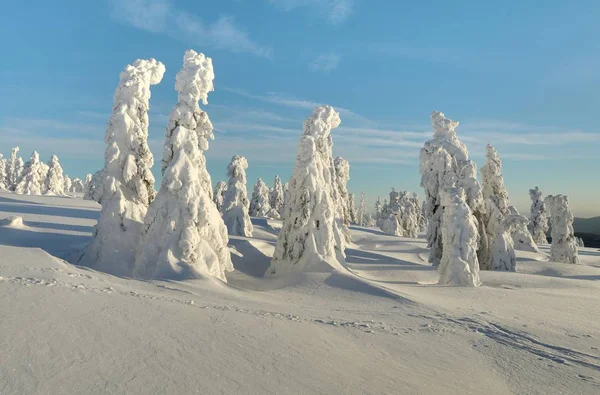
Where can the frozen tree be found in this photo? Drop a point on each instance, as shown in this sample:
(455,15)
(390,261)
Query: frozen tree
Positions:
(580,242)
(277,197)
(259,203)
(520,234)
(193,83)
(126,185)
(564,245)
(377,208)
(494,193)
(219,193)
(390,221)
(502,250)
(13,169)
(418,213)
(95,188)
(20,168)
(409,215)
(538,221)
(445,163)
(352,209)
(459,264)
(361,212)
(86,182)
(77,185)
(286,196)
(33,178)
(3,174)
(235,201)
(55,180)
(67,183)
(342,175)
(311,237)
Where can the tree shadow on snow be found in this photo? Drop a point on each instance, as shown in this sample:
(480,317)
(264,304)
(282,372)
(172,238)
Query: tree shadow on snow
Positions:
(52,225)
(361,257)
(41,209)
(263,224)
(56,244)
(253,262)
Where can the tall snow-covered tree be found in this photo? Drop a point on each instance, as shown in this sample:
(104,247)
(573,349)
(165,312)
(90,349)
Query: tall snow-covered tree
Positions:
(260,205)
(538,221)
(409,215)
(310,238)
(503,252)
(460,233)
(3,175)
(564,245)
(361,212)
(495,194)
(235,201)
(219,193)
(13,169)
(33,177)
(277,197)
(67,183)
(184,235)
(127,185)
(188,113)
(286,198)
(55,180)
(342,175)
(445,163)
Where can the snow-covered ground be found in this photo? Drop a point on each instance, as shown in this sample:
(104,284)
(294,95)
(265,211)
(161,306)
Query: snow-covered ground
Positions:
(382,327)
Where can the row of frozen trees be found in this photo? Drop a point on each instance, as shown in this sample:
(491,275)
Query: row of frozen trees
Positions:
(35,177)
(472,226)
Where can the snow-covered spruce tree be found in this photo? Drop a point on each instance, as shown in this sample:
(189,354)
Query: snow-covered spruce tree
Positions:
(409,215)
(311,238)
(418,213)
(494,193)
(444,163)
(502,247)
(235,201)
(86,182)
(361,212)
(352,209)
(342,175)
(260,205)
(580,242)
(3,175)
(55,180)
(520,234)
(187,112)
(564,245)
(77,185)
(67,183)
(95,189)
(184,235)
(459,264)
(219,193)
(127,185)
(13,169)
(390,221)
(33,178)
(277,197)
(538,221)
(377,209)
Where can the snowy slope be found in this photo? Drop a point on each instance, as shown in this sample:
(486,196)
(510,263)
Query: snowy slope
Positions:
(382,327)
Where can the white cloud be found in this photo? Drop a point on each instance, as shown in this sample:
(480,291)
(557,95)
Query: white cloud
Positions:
(335,11)
(161,16)
(326,62)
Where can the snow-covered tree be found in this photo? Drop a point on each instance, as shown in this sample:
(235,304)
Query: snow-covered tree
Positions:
(342,175)
(538,221)
(361,212)
(3,175)
(67,183)
(459,264)
(564,245)
(127,184)
(235,201)
(260,205)
(390,221)
(352,209)
(494,192)
(55,180)
(33,178)
(77,185)
(520,234)
(86,182)
(445,163)
(95,189)
(311,237)
(219,193)
(409,215)
(580,242)
(502,247)
(184,235)
(13,169)
(277,197)
(378,208)
(20,168)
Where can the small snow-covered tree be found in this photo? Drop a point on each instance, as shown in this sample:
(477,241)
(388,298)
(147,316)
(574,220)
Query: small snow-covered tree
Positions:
(311,237)
(86,182)
(418,213)
(520,234)
(503,252)
(342,175)
(33,177)
(564,245)
(77,185)
(13,169)
(260,205)
(494,193)
(277,197)
(219,193)
(580,242)
(3,175)
(55,180)
(95,189)
(361,212)
(352,209)
(538,221)
(390,221)
(445,163)
(377,209)
(459,264)
(235,201)
(127,182)
(67,183)
(409,215)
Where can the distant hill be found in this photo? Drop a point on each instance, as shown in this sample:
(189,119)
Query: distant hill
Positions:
(587,225)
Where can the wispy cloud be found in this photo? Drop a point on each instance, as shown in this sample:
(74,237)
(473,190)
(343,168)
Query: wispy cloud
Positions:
(162,16)
(326,62)
(335,11)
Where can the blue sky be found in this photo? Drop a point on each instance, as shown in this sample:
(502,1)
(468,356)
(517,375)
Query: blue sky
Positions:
(518,75)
